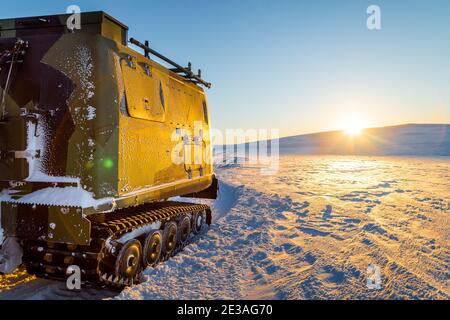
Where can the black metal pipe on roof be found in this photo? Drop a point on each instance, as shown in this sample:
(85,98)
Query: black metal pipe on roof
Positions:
(189,74)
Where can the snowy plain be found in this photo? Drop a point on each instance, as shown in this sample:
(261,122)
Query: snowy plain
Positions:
(312,230)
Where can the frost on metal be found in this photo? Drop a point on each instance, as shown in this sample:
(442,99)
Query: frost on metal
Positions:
(91,113)
(83,67)
(80,66)
(68,196)
(36,142)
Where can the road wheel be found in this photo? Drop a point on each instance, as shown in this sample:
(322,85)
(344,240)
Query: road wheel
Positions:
(184,227)
(170,238)
(198,222)
(128,262)
(152,248)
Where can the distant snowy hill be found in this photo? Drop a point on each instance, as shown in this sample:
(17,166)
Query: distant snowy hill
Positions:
(410,139)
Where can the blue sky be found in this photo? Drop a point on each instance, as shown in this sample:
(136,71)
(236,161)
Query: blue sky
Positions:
(299,66)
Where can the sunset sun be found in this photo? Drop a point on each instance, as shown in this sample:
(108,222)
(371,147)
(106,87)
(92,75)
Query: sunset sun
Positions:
(353,126)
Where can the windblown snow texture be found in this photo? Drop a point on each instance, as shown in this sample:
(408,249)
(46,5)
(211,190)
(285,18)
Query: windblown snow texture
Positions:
(313,230)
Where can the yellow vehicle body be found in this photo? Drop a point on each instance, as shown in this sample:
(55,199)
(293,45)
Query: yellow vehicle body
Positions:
(85,111)
(164,140)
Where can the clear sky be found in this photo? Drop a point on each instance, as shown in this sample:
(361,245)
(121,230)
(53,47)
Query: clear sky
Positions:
(297,65)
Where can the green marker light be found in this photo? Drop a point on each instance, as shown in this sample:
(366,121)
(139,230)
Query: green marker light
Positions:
(108,163)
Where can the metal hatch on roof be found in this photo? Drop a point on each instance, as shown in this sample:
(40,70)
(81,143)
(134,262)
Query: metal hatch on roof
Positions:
(93,22)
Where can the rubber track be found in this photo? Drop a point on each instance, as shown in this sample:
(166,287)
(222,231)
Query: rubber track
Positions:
(50,260)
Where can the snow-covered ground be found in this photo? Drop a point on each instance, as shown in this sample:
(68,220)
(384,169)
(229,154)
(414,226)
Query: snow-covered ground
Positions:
(311,231)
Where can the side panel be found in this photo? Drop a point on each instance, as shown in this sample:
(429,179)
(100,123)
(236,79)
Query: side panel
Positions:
(48,223)
(164,138)
(88,60)
(62,106)
(144,90)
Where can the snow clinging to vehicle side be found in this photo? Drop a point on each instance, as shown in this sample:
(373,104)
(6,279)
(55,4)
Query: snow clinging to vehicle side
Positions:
(91,113)
(68,196)
(84,67)
(36,148)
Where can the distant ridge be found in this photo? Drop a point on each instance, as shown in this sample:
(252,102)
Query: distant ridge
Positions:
(408,139)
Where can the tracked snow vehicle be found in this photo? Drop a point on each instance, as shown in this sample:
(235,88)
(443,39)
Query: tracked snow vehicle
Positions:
(95,137)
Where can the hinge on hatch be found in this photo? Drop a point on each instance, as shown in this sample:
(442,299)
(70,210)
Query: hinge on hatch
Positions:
(147,69)
(131,61)
(34,154)
(31,116)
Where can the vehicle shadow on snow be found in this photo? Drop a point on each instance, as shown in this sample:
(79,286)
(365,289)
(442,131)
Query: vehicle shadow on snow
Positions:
(226,200)
(43,289)
(22,286)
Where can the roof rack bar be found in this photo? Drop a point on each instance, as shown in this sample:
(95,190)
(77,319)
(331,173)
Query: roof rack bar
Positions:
(146,52)
(188,73)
